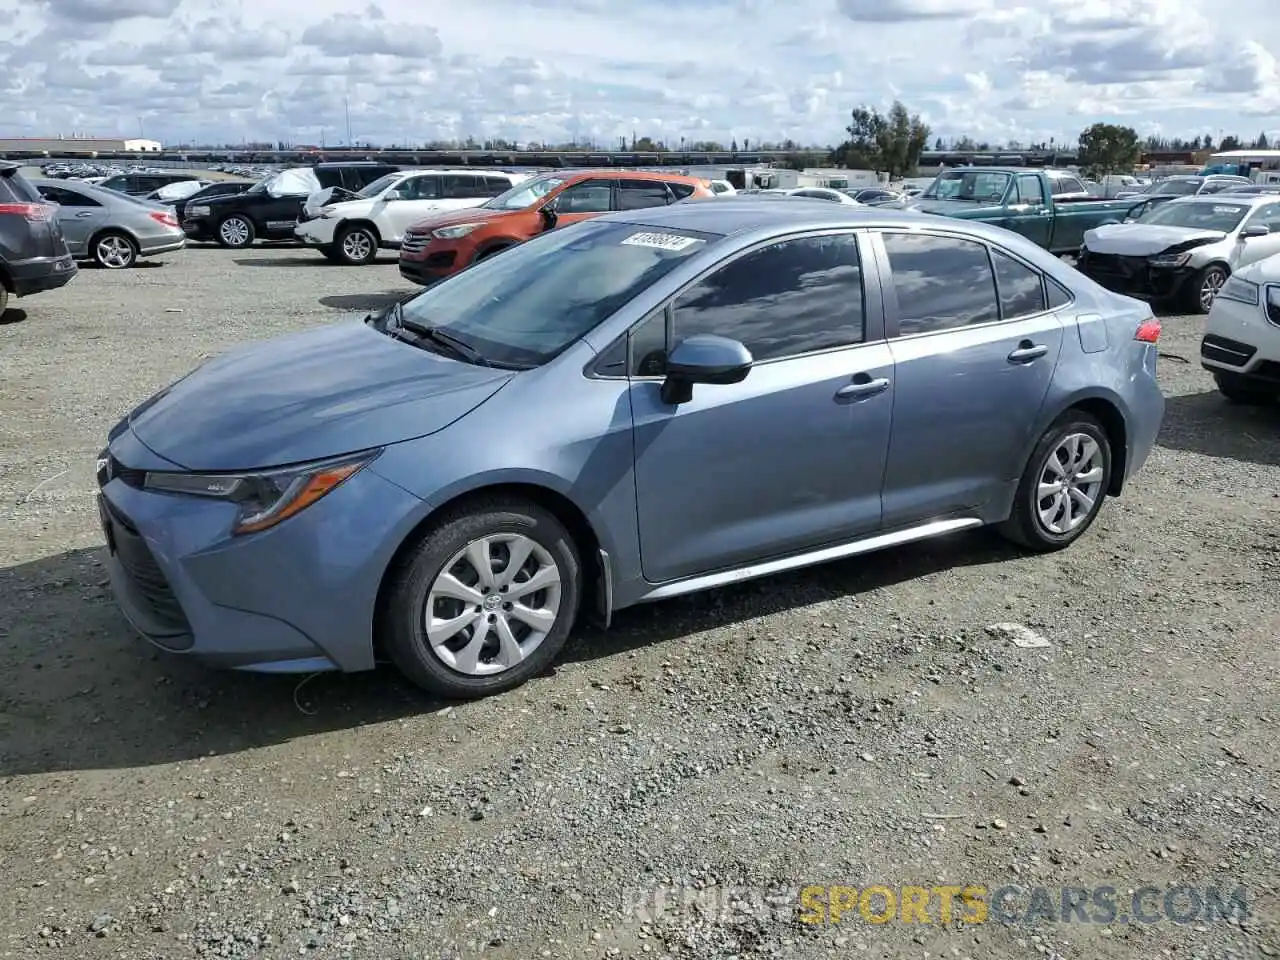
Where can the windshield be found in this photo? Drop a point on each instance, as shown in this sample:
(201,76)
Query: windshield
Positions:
(1177,188)
(523,308)
(524,194)
(1223,217)
(375,188)
(969,185)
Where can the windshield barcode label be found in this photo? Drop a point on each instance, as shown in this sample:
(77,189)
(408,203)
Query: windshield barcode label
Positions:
(660,241)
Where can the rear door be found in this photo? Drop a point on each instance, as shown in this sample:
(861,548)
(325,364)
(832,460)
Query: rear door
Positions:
(974,346)
(639,194)
(463,190)
(79,216)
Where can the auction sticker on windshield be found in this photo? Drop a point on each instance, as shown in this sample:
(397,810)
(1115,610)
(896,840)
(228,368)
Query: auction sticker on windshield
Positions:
(661,241)
(1227,211)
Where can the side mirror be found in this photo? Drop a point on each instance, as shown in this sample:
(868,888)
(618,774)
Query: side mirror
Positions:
(703,358)
(548,213)
(1127,220)
(1258,230)
(393,195)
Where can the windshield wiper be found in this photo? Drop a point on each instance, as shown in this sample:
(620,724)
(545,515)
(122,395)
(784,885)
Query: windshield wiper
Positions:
(454,344)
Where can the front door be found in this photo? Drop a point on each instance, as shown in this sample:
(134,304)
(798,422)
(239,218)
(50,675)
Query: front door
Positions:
(792,457)
(1252,249)
(582,200)
(974,352)
(1028,211)
(419,198)
(79,216)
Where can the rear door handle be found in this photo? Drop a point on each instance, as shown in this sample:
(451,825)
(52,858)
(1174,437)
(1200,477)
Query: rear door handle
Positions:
(83,214)
(860,389)
(1028,351)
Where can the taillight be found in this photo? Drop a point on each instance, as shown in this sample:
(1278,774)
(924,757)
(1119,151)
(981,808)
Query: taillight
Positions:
(168,219)
(1148,331)
(34,212)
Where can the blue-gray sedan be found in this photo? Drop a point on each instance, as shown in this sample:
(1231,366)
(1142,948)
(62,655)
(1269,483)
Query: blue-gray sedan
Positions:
(635,407)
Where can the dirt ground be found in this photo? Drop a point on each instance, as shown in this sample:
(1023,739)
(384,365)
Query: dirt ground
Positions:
(852,725)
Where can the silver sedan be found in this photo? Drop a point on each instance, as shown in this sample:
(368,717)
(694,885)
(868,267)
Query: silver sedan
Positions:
(110,228)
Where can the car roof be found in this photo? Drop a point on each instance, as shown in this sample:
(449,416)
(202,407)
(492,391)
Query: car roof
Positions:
(570,176)
(1244,200)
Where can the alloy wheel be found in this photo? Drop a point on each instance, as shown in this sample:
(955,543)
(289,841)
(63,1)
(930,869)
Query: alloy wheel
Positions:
(493,604)
(1209,288)
(1070,484)
(114,252)
(234,232)
(357,246)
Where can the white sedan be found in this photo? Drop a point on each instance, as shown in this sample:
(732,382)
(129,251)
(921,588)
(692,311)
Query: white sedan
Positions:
(824,193)
(1241,344)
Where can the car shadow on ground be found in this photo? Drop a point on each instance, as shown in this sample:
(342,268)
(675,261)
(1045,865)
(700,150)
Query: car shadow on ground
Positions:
(308,259)
(12,315)
(366,301)
(79,690)
(1206,423)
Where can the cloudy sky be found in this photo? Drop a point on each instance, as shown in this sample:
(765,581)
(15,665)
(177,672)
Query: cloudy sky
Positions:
(555,70)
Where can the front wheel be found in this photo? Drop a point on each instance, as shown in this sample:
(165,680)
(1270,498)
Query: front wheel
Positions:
(1205,287)
(236,232)
(484,601)
(356,246)
(1063,485)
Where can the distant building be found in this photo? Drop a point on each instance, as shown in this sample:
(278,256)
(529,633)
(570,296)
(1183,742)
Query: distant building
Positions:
(76,146)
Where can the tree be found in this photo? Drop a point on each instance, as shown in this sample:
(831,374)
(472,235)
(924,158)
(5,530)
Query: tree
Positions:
(1229,143)
(889,143)
(1262,143)
(937,145)
(1106,148)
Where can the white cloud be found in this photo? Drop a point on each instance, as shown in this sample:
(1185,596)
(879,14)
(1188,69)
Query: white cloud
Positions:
(1021,70)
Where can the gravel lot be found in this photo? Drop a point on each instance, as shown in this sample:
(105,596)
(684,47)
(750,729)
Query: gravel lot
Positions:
(854,724)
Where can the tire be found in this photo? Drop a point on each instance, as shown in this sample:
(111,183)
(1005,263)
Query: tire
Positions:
(4,299)
(356,246)
(493,250)
(114,250)
(443,665)
(235,232)
(1027,524)
(1205,287)
(1235,390)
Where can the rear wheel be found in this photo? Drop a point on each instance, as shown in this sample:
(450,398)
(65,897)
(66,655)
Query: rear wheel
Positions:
(356,246)
(235,232)
(1063,485)
(484,601)
(114,251)
(1205,286)
(4,299)
(1236,390)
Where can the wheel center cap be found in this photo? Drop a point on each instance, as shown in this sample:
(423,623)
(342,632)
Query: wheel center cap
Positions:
(492,602)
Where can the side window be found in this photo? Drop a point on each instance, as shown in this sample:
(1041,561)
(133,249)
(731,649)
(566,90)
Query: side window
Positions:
(638,194)
(790,298)
(463,186)
(1059,296)
(496,185)
(1072,185)
(1021,289)
(421,188)
(589,196)
(67,198)
(942,283)
(1268,216)
(648,347)
(1030,190)
(681,190)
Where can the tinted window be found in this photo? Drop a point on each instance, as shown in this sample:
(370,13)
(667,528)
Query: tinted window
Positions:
(119,182)
(682,190)
(67,198)
(1059,296)
(495,186)
(638,194)
(589,196)
(793,297)
(942,282)
(464,187)
(526,306)
(421,188)
(1021,290)
(1030,190)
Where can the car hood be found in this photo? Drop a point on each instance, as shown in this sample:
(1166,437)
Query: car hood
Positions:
(327,196)
(1145,239)
(961,209)
(454,217)
(307,396)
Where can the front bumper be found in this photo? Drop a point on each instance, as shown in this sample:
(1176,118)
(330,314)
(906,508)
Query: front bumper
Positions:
(316,233)
(1240,341)
(1134,276)
(41,274)
(299,597)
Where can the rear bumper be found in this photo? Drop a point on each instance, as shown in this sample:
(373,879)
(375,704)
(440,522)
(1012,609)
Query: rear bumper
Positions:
(41,273)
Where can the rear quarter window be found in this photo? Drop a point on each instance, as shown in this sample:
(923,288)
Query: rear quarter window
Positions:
(16,188)
(681,190)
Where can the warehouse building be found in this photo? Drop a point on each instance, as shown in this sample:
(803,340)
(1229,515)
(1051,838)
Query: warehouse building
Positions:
(76,146)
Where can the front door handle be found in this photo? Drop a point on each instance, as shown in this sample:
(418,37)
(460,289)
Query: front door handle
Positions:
(83,214)
(1028,351)
(861,389)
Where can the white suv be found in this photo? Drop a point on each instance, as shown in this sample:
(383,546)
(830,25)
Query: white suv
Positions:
(1241,345)
(349,228)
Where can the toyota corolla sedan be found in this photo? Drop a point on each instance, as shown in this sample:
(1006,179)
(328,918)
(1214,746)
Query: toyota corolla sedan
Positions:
(635,407)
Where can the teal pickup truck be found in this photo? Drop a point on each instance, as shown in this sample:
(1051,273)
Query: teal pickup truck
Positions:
(1052,208)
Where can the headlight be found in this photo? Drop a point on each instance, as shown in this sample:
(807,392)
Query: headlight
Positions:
(1170,259)
(268,497)
(1239,290)
(199,210)
(453,233)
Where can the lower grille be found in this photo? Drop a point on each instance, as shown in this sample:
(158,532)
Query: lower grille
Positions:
(1225,350)
(139,565)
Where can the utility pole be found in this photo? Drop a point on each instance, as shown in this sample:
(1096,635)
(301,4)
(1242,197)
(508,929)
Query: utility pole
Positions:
(346,105)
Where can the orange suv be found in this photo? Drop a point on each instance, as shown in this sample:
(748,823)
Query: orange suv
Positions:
(441,245)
